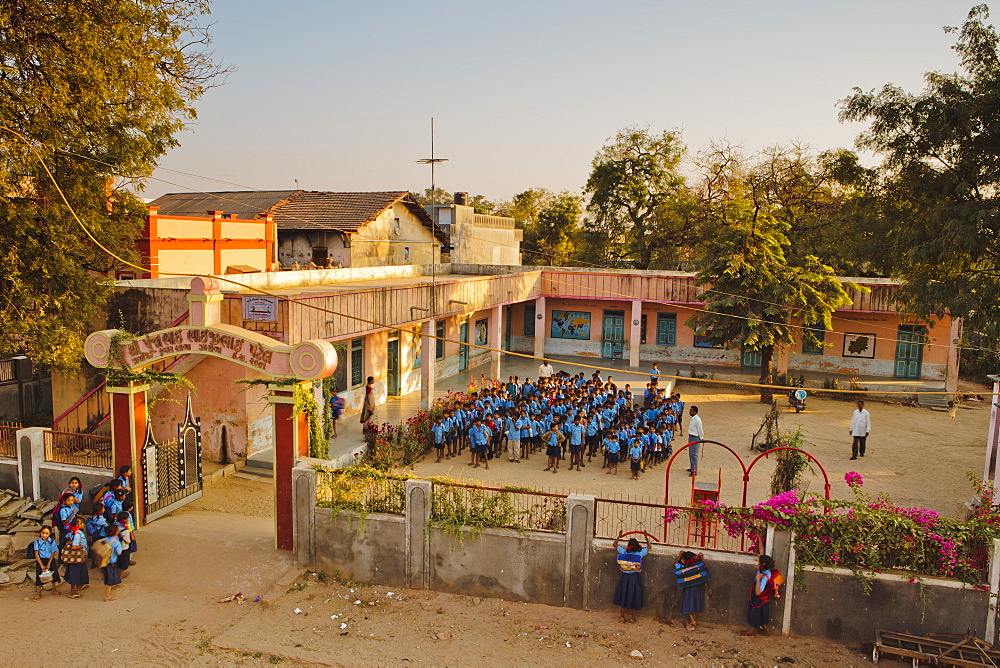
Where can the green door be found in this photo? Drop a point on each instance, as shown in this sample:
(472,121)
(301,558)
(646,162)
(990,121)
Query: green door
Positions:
(750,359)
(463,350)
(909,351)
(613,334)
(392,368)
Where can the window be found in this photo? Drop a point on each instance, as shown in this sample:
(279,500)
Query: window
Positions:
(666,329)
(813,349)
(417,342)
(529,320)
(642,328)
(357,362)
(439,342)
(320,255)
(395,226)
(406,254)
(703,342)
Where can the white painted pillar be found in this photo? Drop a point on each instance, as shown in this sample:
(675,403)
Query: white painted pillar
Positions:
(495,342)
(786,616)
(951,374)
(541,318)
(634,334)
(428,359)
(991,610)
(990,469)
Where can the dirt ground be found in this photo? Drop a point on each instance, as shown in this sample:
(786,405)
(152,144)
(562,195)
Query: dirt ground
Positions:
(919,457)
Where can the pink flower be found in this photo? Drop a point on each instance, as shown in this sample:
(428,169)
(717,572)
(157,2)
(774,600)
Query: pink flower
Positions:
(853,479)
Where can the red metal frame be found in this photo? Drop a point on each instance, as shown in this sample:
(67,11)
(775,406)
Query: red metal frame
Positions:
(826,478)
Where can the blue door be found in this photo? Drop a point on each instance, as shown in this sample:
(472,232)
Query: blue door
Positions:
(666,329)
(463,350)
(613,334)
(909,351)
(392,368)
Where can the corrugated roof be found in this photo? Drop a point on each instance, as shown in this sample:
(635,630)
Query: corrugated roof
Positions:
(241,203)
(298,209)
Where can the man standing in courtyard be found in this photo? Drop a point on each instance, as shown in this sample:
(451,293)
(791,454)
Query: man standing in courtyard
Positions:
(545,369)
(861,426)
(695,433)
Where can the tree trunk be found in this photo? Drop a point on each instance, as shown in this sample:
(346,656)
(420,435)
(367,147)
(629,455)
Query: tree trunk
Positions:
(766,373)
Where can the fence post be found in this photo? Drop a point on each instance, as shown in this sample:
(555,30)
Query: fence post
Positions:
(991,609)
(30,454)
(580,511)
(786,619)
(304,514)
(417,522)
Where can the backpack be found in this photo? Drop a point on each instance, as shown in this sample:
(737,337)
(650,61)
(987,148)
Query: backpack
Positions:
(29,552)
(98,491)
(691,576)
(102,549)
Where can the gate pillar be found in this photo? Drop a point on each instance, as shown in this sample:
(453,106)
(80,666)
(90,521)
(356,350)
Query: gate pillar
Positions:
(128,432)
(291,441)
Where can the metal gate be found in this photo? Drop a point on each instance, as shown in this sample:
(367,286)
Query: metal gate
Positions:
(171,471)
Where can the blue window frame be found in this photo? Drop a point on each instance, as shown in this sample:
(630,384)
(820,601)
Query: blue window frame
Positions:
(357,362)
(703,342)
(666,329)
(809,348)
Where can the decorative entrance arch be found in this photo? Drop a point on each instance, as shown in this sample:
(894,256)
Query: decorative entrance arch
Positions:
(289,366)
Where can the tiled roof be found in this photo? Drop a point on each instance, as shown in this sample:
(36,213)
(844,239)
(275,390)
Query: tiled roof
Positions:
(242,204)
(298,209)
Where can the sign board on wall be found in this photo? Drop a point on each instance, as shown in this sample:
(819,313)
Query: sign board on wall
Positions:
(260,309)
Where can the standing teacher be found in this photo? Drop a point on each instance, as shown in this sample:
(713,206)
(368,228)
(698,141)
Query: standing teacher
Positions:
(696,432)
(861,426)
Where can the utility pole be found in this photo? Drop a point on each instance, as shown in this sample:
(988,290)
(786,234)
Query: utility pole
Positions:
(432,161)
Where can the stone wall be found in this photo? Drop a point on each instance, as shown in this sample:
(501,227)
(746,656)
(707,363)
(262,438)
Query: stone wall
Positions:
(574,569)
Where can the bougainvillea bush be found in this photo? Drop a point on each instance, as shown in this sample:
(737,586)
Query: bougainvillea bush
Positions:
(873,535)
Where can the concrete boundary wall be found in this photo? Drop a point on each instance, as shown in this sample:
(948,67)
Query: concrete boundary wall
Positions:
(574,569)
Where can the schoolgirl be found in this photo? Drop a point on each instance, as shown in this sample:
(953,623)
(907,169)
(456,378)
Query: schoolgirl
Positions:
(74,488)
(46,553)
(764,588)
(97,524)
(635,459)
(67,513)
(611,449)
(124,522)
(112,576)
(77,575)
(628,593)
(552,450)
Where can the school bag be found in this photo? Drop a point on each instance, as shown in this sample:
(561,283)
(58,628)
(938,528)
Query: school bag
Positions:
(102,552)
(97,492)
(691,576)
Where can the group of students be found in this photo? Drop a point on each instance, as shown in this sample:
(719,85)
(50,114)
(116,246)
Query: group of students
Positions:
(104,539)
(692,577)
(563,415)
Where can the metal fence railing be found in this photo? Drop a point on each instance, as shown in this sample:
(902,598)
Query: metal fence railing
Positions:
(497,507)
(7,371)
(8,440)
(676,526)
(362,494)
(79,449)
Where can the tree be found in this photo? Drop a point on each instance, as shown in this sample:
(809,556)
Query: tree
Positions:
(549,239)
(96,92)
(641,209)
(435,196)
(938,215)
(754,297)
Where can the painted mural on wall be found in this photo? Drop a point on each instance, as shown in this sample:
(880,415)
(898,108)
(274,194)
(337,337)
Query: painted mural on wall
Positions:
(859,345)
(482,332)
(570,325)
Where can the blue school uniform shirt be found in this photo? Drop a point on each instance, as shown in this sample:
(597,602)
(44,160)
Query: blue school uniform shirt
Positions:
(439,430)
(512,429)
(79,540)
(479,435)
(116,547)
(612,446)
(66,514)
(112,506)
(45,548)
(592,427)
(575,433)
(97,526)
(635,452)
(524,428)
(77,496)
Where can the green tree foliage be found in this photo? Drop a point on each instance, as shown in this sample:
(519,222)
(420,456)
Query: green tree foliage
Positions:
(549,238)
(641,210)
(755,295)
(99,89)
(434,196)
(937,223)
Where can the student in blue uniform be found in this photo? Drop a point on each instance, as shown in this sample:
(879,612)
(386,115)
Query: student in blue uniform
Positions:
(438,430)
(635,459)
(46,553)
(77,575)
(67,513)
(97,524)
(112,576)
(124,523)
(611,449)
(550,440)
(576,431)
(628,593)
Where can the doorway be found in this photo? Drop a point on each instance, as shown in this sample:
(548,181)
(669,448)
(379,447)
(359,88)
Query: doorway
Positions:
(392,368)
(463,350)
(909,351)
(613,334)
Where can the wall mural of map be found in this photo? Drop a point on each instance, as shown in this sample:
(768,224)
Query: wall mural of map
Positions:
(859,345)
(570,325)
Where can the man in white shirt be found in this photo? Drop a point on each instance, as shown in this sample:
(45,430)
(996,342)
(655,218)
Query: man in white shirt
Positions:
(695,433)
(861,426)
(545,369)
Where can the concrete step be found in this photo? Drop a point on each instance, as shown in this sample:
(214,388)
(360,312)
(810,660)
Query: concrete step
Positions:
(255,472)
(260,464)
(933,400)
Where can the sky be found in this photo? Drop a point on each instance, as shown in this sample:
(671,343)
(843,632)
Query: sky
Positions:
(339,95)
